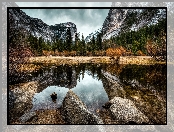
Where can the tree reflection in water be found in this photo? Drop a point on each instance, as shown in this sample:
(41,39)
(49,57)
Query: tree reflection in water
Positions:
(145,85)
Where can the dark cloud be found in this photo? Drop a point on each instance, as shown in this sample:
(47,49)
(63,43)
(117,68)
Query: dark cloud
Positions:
(86,20)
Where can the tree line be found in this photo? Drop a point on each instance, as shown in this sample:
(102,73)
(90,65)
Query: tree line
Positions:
(66,46)
(148,40)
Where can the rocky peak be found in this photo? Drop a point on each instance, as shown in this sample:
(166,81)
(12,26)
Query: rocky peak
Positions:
(60,30)
(38,28)
(123,20)
(113,22)
(111,25)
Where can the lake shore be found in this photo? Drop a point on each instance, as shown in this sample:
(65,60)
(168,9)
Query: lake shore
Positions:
(128,93)
(59,60)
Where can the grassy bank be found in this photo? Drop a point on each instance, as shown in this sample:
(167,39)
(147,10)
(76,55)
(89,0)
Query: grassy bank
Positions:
(59,60)
(35,63)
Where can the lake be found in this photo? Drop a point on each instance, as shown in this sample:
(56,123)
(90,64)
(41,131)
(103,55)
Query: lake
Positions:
(96,84)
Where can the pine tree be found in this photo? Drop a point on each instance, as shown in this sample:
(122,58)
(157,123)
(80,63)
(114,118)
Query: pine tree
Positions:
(83,45)
(76,41)
(99,42)
(93,44)
(68,39)
(61,45)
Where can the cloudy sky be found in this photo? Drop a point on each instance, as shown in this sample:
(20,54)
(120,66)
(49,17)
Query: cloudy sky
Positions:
(86,20)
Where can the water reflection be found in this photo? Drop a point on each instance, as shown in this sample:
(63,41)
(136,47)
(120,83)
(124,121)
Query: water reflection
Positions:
(96,84)
(152,77)
(43,100)
(88,89)
(80,77)
(91,92)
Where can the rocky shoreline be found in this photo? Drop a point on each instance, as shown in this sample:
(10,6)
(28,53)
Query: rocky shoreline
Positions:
(74,111)
(118,110)
(121,109)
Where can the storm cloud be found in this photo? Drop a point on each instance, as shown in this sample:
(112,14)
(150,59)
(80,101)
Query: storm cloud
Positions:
(86,20)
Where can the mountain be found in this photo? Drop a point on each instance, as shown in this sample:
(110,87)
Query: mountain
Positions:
(113,22)
(124,20)
(89,37)
(118,21)
(59,30)
(111,25)
(18,19)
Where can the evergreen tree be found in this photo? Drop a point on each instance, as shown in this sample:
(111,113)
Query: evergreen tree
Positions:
(40,45)
(76,41)
(83,45)
(99,42)
(48,45)
(55,45)
(93,44)
(61,45)
(68,39)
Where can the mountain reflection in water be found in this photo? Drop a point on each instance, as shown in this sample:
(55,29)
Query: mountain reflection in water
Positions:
(88,89)
(96,84)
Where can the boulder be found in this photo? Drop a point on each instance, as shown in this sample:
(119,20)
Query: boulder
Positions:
(113,89)
(20,99)
(74,111)
(126,112)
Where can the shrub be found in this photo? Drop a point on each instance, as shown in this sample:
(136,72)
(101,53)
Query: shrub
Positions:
(140,53)
(89,53)
(119,51)
(46,53)
(57,53)
(73,53)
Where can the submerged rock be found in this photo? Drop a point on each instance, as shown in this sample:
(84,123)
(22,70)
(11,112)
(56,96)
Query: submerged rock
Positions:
(54,97)
(74,111)
(112,85)
(27,116)
(125,111)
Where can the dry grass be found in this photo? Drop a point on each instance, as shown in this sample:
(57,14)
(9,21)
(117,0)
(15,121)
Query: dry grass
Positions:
(59,60)
(27,67)
(139,60)
(69,60)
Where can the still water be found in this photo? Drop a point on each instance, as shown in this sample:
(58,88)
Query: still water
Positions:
(89,90)
(96,84)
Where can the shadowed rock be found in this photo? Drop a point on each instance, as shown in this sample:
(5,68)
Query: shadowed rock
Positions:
(22,100)
(107,105)
(74,111)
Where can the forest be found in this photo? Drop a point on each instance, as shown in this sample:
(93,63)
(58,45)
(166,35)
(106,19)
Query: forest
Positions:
(150,40)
